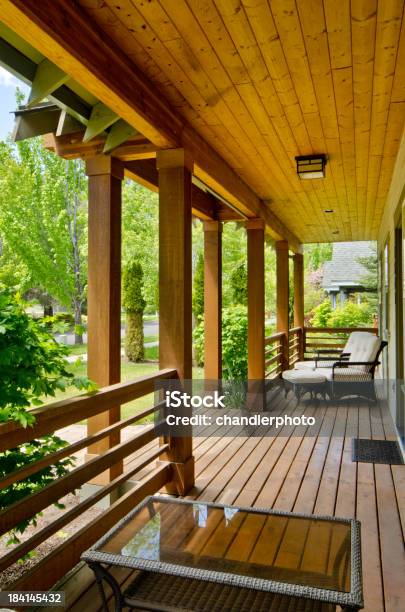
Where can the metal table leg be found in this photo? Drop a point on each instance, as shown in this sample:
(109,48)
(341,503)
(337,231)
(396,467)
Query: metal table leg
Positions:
(101,575)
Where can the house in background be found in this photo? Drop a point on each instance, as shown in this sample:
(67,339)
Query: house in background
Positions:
(344,275)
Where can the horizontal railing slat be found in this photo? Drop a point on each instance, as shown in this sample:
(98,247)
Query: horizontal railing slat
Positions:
(54,416)
(273,337)
(336,330)
(313,346)
(53,527)
(62,558)
(27,507)
(275,359)
(69,450)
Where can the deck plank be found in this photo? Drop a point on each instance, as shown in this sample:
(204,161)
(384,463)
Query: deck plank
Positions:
(303,472)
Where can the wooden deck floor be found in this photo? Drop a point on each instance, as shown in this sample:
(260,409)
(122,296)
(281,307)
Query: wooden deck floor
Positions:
(294,471)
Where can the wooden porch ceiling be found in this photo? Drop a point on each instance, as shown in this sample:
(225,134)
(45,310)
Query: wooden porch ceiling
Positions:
(255,82)
(266,81)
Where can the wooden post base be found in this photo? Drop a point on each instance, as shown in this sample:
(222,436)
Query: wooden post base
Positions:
(183,477)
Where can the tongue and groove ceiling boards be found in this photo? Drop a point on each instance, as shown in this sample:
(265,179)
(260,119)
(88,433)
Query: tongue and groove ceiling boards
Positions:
(264,81)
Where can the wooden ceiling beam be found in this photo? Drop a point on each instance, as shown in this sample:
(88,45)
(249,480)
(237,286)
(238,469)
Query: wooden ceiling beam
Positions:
(145,173)
(205,206)
(118,134)
(66,125)
(71,146)
(101,118)
(35,121)
(24,68)
(64,33)
(48,78)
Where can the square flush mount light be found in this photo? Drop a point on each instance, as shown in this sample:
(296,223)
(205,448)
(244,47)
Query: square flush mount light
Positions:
(311,166)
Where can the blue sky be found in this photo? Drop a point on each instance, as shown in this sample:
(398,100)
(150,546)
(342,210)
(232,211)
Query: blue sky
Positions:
(8,84)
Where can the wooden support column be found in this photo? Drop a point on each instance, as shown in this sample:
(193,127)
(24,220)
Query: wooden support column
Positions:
(104,291)
(213,299)
(255,286)
(299,299)
(283,296)
(175,324)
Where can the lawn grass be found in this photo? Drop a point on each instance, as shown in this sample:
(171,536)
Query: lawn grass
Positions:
(151,353)
(150,339)
(129,371)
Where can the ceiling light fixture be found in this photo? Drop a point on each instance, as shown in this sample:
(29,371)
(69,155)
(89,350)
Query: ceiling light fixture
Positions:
(328,210)
(311,166)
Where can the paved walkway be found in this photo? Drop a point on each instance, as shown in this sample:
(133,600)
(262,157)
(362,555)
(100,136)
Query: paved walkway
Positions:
(74,358)
(150,328)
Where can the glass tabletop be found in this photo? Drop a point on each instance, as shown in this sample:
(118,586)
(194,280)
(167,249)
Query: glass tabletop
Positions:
(284,548)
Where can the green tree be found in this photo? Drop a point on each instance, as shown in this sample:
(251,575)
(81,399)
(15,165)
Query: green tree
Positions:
(239,285)
(316,254)
(198,288)
(370,279)
(233,255)
(13,273)
(43,215)
(32,365)
(134,304)
(140,231)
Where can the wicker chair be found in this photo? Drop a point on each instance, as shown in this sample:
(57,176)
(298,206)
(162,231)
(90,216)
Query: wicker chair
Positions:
(353,371)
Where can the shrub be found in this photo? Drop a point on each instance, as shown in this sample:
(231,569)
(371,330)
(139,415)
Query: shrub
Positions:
(239,285)
(32,365)
(134,305)
(348,315)
(198,343)
(321,315)
(198,288)
(234,343)
(352,315)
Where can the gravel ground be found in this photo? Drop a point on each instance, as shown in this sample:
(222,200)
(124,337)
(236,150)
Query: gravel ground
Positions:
(71,434)
(16,570)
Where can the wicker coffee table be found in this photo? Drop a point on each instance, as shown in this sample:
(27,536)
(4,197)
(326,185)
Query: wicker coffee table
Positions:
(191,555)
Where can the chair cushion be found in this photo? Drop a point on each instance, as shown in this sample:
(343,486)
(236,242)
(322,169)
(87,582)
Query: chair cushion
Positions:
(303,377)
(310,365)
(364,346)
(304,365)
(346,374)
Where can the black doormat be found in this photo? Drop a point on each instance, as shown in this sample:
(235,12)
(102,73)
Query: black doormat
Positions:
(376,451)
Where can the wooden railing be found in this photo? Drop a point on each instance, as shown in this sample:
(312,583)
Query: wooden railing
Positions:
(275,355)
(53,417)
(303,343)
(325,338)
(295,345)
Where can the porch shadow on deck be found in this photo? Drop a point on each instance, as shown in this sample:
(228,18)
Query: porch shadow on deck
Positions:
(295,472)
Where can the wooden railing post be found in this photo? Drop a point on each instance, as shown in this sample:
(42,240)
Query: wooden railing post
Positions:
(175,325)
(213,300)
(104,293)
(299,298)
(255,287)
(282,265)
